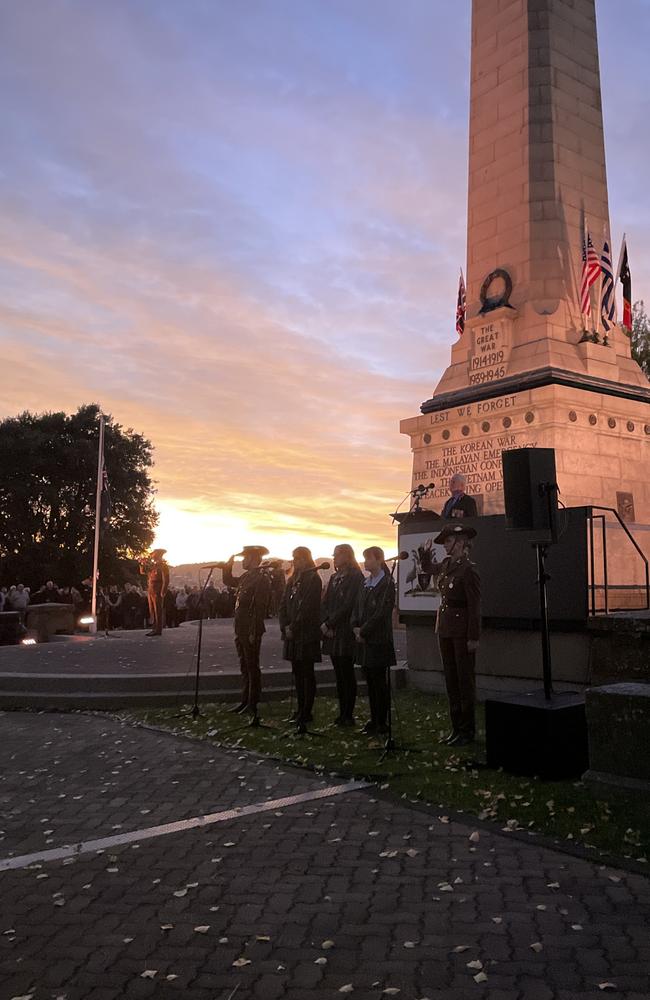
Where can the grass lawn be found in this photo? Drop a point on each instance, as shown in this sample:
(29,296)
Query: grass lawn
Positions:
(424,771)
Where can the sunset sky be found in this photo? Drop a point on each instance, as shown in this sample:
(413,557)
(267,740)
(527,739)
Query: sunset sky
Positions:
(238,226)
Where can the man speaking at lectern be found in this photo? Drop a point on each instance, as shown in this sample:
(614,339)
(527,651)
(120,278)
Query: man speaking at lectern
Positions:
(459,504)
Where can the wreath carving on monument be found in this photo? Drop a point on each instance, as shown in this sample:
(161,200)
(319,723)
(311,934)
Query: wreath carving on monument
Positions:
(491,302)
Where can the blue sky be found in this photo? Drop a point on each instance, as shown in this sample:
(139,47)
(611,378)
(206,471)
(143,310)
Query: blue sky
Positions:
(238,227)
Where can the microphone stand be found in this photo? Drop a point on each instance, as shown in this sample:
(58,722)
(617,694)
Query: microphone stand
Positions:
(195,706)
(390,746)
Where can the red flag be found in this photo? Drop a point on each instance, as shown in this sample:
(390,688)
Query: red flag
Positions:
(623,275)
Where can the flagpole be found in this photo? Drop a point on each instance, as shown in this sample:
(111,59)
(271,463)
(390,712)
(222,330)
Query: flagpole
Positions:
(98,503)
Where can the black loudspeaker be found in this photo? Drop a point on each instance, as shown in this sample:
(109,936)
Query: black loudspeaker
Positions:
(528,735)
(530,492)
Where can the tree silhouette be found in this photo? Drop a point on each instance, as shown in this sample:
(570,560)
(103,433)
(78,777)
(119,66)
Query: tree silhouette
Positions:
(640,337)
(48,472)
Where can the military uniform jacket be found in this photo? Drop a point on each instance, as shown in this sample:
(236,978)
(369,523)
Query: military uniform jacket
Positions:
(459,615)
(300,611)
(251,601)
(338,604)
(157,575)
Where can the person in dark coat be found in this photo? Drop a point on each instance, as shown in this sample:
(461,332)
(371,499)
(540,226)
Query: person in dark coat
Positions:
(372,624)
(49,594)
(460,503)
(459,628)
(338,638)
(169,609)
(253,590)
(299,618)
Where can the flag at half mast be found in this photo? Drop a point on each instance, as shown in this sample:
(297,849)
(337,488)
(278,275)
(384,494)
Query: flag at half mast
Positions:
(461,306)
(607,297)
(105,503)
(590,275)
(623,275)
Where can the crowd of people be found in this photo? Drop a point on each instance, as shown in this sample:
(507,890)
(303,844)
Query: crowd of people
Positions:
(351,621)
(124,607)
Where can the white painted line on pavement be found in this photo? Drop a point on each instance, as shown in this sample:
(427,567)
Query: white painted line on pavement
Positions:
(89,846)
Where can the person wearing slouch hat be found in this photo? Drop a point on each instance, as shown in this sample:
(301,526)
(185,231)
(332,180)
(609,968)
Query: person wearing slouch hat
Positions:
(156,571)
(253,595)
(459,627)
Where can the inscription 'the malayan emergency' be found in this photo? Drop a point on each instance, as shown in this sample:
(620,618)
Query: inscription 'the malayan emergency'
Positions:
(489,358)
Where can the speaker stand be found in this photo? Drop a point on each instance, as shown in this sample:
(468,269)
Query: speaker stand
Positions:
(542,579)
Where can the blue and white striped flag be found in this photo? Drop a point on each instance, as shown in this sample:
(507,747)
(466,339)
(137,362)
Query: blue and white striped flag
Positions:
(607,297)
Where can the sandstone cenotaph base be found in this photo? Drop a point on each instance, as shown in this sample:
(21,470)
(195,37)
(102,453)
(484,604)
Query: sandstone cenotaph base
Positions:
(524,374)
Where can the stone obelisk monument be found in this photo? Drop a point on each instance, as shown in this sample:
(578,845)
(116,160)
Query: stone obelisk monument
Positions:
(525,372)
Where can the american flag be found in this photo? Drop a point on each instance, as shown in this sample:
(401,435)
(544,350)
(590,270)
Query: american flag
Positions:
(460,307)
(590,275)
(607,297)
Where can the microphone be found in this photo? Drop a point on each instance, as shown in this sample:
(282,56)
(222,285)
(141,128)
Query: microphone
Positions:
(218,565)
(398,558)
(323,565)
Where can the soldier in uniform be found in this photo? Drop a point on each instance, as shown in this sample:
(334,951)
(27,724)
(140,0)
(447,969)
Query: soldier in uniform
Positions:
(458,628)
(156,571)
(253,595)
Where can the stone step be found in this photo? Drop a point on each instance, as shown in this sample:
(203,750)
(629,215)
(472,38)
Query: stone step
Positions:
(110,691)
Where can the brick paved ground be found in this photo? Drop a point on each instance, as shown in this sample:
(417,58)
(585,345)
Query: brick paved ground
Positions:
(407,900)
(133,652)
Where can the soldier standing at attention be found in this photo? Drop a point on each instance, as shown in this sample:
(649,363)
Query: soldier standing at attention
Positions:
(251,608)
(156,571)
(459,628)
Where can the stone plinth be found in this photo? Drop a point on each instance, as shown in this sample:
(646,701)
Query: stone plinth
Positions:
(601,443)
(618,721)
(45,620)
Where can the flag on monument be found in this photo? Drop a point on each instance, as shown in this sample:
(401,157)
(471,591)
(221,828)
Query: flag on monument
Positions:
(607,297)
(590,274)
(625,279)
(460,306)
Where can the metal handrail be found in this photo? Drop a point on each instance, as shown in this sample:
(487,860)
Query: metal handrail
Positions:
(631,537)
